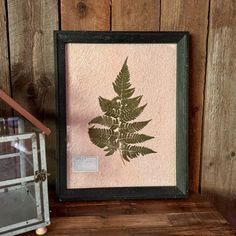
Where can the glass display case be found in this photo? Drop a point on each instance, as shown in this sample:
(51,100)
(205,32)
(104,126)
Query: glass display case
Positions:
(23,179)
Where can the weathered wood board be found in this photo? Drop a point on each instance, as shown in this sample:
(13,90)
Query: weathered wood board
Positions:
(31,25)
(192,16)
(193,216)
(218,179)
(85,15)
(135,15)
(4,59)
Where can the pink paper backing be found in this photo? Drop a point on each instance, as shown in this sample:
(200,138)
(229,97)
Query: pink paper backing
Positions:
(90,71)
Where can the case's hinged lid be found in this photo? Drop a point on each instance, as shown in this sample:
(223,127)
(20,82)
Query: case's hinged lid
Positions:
(41,176)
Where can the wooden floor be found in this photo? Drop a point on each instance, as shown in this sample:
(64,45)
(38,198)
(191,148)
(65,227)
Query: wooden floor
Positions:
(194,216)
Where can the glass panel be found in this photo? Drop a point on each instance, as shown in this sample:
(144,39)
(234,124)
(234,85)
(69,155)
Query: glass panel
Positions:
(16,159)
(19,204)
(11,125)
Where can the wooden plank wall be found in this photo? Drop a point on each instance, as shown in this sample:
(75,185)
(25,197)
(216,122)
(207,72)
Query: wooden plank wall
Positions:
(85,15)
(192,16)
(5,83)
(219,133)
(30,45)
(26,56)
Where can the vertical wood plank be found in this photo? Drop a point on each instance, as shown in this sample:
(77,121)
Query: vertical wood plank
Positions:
(135,15)
(4,59)
(219,143)
(192,16)
(31,25)
(85,15)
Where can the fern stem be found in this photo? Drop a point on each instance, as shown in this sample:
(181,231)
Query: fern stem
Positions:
(121,157)
(119,138)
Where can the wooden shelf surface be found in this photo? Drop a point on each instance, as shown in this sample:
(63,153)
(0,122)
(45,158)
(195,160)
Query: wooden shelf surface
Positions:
(192,216)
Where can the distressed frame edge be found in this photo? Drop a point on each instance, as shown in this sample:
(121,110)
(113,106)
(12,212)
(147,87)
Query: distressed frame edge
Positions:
(58,42)
(182,114)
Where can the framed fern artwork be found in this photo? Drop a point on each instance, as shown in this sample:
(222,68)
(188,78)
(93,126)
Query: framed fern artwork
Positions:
(122,106)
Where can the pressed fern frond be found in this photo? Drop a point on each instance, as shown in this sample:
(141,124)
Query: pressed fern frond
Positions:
(130,152)
(105,121)
(118,112)
(132,102)
(104,138)
(122,84)
(133,127)
(134,138)
(110,107)
(129,113)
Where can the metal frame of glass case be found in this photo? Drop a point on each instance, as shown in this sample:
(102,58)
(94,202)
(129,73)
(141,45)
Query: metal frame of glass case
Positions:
(23,189)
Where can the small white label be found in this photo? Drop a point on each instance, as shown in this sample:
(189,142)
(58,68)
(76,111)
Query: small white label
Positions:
(85,164)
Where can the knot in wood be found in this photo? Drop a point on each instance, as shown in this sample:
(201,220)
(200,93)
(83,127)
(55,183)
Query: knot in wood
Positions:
(82,8)
(32,90)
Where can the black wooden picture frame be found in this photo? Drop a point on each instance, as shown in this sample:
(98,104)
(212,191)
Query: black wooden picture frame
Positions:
(181,39)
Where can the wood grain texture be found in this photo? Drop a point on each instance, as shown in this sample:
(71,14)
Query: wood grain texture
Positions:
(193,216)
(4,59)
(192,16)
(85,15)
(219,140)
(31,25)
(126,207)
(135,15)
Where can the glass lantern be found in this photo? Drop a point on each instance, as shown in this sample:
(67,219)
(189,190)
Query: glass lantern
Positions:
(23,179)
